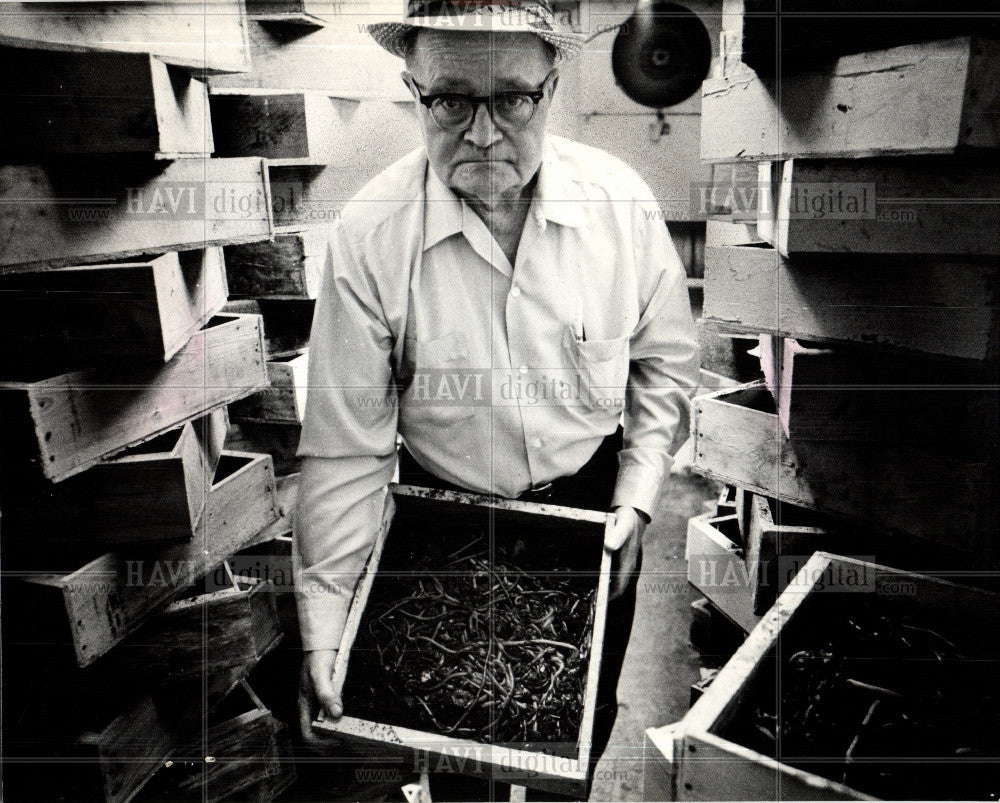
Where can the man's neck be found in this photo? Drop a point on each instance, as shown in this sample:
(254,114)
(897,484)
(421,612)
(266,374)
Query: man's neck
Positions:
(505,216)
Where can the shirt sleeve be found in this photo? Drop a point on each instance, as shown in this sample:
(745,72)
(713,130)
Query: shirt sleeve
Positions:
(348,444)
(663,369)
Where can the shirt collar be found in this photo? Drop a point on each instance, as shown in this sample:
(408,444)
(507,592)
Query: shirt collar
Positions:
(442,212)
(557,199)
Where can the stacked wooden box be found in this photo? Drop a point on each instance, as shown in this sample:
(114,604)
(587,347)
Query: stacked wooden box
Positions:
(126,617)
(309,112)
(869,276)
(731,744)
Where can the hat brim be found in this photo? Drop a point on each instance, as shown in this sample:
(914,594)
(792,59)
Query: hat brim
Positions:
(392,36)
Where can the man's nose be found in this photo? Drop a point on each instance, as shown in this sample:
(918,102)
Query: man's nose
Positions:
(483,132)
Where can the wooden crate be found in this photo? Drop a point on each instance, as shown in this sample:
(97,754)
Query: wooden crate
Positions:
(711,760)
(720,233)
(717,567)
(97,605)
(175,31)
(290,266)
(932,306)
(306,192)
(731,197)
(313,13)
(797,35)
(99,737)
(270,561)
(142,206)
(234,623)
(251,751)
(287,322)
(59,104)
(162,484)
(930,205)
(780,536)
(855,394)
(321,58)
(284,402)
(79,316)
(69,423)
(929,98)
(287,128)
(416,512)
(659,763)
(933,495)
(281,441)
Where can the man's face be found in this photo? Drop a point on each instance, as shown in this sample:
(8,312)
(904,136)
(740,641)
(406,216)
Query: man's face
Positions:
(483,161)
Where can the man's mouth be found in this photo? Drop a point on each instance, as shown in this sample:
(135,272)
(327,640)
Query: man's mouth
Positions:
(482,161)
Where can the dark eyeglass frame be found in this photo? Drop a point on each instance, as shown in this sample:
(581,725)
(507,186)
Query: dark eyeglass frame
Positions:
(535,96)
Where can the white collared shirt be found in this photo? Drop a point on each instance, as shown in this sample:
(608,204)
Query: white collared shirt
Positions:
(498,377)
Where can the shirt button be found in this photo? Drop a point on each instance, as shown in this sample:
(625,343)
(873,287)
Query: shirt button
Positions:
(515,291)
(523,369)
(537,443)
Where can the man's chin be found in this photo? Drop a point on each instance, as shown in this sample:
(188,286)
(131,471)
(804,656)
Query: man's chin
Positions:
(486,181)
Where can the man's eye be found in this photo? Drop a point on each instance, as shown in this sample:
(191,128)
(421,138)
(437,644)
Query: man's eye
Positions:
(514,102)
(452,104)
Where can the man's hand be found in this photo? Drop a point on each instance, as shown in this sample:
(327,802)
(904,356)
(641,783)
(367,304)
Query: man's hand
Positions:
(625,538)
(316,691)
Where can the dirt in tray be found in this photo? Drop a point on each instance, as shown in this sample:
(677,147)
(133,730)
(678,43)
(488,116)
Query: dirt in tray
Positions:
(885,703)
(477,636)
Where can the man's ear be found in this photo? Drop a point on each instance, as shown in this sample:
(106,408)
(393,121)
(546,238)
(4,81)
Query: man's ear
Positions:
(410,84)
(555,83)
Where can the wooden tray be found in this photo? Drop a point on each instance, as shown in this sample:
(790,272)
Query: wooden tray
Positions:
(563,774)
(710,765)
(943,498)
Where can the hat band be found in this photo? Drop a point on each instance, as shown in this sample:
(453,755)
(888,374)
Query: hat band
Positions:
(537,15)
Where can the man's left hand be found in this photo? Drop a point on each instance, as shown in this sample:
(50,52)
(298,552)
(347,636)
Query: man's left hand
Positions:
(625,538)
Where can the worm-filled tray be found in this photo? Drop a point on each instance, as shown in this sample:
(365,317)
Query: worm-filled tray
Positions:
(474,639)
(861,682)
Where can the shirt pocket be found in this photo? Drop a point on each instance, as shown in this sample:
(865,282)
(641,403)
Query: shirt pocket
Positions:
(444,387)
(602,366)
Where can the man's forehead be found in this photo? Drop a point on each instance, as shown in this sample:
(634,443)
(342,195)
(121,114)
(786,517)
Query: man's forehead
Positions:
(507,60)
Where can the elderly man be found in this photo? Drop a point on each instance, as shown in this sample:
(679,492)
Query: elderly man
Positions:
(519,267)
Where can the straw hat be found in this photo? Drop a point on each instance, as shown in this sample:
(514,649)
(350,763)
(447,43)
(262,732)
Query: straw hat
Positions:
(507,16)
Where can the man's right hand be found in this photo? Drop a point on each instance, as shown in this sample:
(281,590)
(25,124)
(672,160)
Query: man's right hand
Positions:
(316,691)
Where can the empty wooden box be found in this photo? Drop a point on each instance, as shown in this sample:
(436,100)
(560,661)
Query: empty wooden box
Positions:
(251,752)
(153,492)
(925,98)
(717,567)
(64,213)
(548,534)
(287,322)
(286,128)
(82,316)
(175,31)
(929,205)
(290,266)
(782,39)
(222,628)
(945,498)
(60,104)
(284,402)
(937,306)
(68,423)
(96,605)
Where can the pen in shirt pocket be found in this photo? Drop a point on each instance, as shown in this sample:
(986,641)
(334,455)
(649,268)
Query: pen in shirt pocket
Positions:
(578,329)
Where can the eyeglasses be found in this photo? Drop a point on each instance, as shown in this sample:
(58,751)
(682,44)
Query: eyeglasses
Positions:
(510,111)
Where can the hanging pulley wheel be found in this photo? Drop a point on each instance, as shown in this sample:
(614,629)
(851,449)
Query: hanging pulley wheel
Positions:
(662,54)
